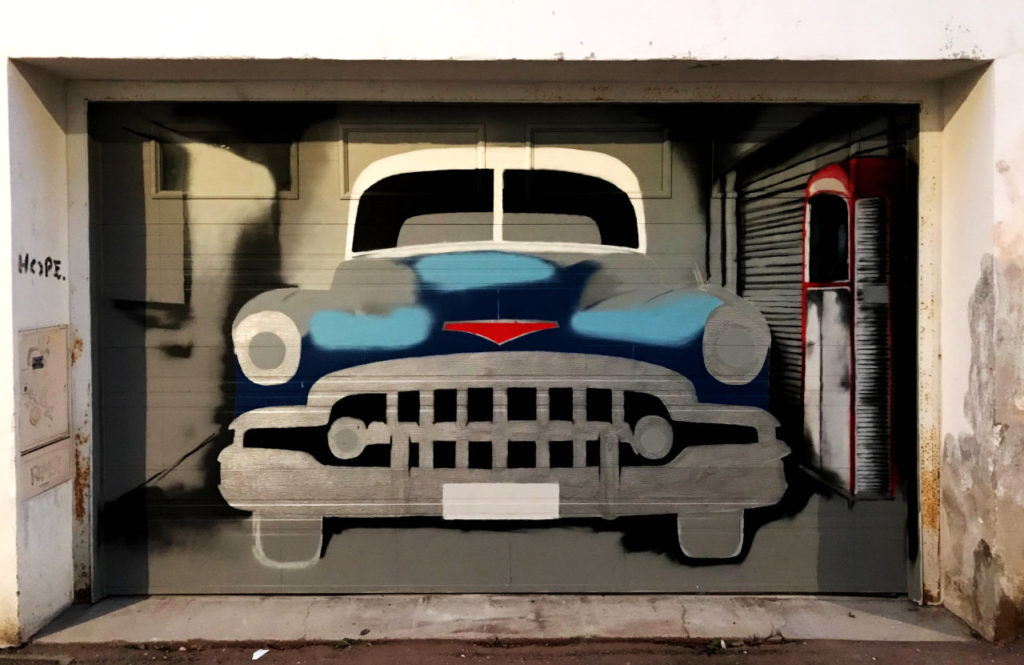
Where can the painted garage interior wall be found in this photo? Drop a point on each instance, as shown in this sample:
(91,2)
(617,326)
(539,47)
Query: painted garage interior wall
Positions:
(769,186)
(200,208)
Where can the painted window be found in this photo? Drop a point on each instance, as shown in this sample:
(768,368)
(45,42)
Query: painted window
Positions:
(829,250)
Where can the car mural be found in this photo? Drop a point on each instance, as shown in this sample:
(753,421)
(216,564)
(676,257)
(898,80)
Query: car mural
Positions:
(498,345)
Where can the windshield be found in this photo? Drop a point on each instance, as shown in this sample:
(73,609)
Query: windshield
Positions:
(560,206)
(458,205)
(426,207)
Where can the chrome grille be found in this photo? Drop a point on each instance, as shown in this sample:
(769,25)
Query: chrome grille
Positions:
(434,431)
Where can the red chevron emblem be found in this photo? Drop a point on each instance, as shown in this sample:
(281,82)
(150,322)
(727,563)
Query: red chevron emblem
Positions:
(499,331)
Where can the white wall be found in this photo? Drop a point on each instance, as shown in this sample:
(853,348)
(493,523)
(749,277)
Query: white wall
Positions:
(524,30)
(37,225)
(966,193)
(9,627)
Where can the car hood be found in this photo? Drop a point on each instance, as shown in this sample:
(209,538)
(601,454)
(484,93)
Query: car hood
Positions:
(457,302)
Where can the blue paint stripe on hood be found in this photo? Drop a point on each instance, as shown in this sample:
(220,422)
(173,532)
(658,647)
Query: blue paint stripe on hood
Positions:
(472,270)
(671,320)
(402,328)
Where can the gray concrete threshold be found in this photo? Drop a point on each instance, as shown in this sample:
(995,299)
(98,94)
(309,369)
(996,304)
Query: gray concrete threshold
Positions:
(258,619)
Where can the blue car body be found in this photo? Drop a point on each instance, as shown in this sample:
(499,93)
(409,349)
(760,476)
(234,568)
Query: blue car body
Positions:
(663,326)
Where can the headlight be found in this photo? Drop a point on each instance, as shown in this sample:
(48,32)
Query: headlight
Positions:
(735,344)
(268,345)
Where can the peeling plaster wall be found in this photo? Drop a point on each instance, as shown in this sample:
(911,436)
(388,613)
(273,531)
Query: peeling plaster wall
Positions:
(1007,457)
(983,457)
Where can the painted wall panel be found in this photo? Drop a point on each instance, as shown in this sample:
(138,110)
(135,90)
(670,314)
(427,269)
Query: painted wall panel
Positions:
(333,391)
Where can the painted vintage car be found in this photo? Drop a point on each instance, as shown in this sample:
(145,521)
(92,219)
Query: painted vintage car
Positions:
(498,345)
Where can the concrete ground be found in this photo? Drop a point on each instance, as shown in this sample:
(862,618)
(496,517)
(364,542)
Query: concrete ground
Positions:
(482,617)
(500,630)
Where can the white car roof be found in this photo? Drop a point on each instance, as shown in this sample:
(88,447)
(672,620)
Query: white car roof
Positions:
(499,159)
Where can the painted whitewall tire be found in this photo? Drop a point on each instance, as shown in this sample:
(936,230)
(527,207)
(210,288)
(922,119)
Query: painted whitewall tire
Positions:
(287,543)
(710,535)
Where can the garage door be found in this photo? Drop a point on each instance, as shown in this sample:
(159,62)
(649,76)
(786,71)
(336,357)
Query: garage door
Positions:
(355,347)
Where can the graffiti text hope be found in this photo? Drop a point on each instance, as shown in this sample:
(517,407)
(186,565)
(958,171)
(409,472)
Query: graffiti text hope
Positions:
(44,267)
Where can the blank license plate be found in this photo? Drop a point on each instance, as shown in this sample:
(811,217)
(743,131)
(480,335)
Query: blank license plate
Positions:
(500,501)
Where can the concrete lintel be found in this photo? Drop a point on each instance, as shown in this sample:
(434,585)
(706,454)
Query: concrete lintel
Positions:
(524,71)
(267,619)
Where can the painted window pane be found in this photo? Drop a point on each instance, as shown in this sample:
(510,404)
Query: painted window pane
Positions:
(436,206)
(559,206)
(828,255)
(175,174)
